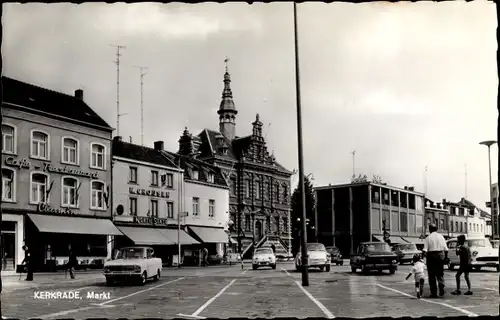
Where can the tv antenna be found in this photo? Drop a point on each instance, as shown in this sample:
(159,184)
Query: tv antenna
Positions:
(143,72)
(117,61)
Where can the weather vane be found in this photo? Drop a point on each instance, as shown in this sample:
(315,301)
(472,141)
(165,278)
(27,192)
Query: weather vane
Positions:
(226,61)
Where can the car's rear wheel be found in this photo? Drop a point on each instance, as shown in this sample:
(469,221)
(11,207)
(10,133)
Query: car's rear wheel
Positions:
(392,271)
(353,269)
(158,275)
(364,269)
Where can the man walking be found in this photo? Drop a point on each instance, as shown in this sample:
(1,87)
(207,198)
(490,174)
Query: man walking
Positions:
(72,263)
(28,263)
(436,252)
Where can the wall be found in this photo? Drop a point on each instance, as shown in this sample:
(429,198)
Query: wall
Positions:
(121,186)
(325,214)
(24,123)
(206,193)
(475,232)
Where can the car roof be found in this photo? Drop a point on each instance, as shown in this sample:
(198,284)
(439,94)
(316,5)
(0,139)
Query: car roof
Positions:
(371,242)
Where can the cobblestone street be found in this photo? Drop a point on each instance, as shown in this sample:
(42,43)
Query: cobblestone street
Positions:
(231,292)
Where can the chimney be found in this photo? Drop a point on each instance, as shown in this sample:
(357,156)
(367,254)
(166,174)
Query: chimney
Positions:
(159,145)
(444,201)
(118,138)
(406,187)
(411,188)
(79,94)
(130,138)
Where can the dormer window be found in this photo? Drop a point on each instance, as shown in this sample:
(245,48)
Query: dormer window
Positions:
(210,177)
(195,175)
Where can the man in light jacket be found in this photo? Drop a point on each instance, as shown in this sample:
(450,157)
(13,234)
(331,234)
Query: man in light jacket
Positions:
(436,252)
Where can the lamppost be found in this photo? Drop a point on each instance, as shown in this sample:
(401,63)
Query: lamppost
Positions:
(489,143)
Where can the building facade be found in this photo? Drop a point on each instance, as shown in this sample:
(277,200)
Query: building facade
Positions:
(206,202)
(438,214)
(147,199)
(465,219)
(259,200)
(493,223)
(352,213)
(56,177)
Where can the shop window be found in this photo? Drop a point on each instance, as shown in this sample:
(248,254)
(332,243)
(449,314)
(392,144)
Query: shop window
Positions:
(8,185)
(170,210)
(39,183)
(132,204)
(132,175)
(403,201)
(196,206)
(403,222)
(394,199)
(211,208)
(97,195)
(257,189)
(98,154)
(39,145)
(8,139)
(375,196)
(154,208)
(154,178)
(411,201)
(69,151)
(70,192)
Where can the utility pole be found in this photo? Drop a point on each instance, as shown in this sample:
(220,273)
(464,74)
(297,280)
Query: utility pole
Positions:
(1,219)
(466,181)
(353,164)
(117,62)
(425,181)
(143,72)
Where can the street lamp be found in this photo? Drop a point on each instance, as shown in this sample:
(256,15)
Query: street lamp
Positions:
(489,143)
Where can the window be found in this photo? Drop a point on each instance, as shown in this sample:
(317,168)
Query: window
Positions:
(8,185)
(386,197)
(257,189)
(132,175)
(268,190)
(170,210)
(167,180)
(70,192)
(154,178)
(211,208)
(411,201)
(285,224)
(97,155)
(247,222)
(470,227)
(247,188)
(195,175)
(285,192)
(8,139)
(277,224)
(456,226)
(403,222)
(277,192)
(97,195)
(70,151)
(154,208)
(403,203)
(420,222)
(39,145)
(394,221)
(233,186)
(132,206)
(210,177)
(451,226)
(461,227)
(375,196)
(268,223)
(461,211)
(442,225)
(39,182)
(394,198)
(196,206)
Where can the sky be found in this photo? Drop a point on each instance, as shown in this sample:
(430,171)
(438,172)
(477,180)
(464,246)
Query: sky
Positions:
(406,85)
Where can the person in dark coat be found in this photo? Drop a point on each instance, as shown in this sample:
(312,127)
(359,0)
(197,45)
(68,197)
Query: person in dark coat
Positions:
(463,251)
(28,263)
(273,247)
(72,263)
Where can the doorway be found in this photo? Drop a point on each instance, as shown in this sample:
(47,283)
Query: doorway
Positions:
(9,251)
(258,231)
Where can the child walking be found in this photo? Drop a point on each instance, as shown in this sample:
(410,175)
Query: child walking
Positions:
(463,251)
(418,270)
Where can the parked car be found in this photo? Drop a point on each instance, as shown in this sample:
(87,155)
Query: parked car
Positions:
(318,257)
(405,252)
(374,256)
(483,254)
(336,256)
(133,263)
(263,257)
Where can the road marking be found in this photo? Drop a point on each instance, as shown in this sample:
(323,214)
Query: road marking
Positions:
(490,289)
(190,316)
(200,309)
(286,272)
(141,291)
(468,313)
(63,313)
(245,271)
(327,312)
(82,288)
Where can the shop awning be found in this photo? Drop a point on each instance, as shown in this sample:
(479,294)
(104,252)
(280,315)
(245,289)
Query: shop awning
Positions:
(210,235)
(74,225)
(146,236)
(415,240)
(171,234)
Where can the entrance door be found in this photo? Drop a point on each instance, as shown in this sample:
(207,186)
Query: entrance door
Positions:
(9,252)
(258,231)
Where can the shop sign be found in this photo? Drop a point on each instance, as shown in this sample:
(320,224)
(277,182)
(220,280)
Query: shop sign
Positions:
(45,208)
(148,192)
(25,164)
(150,220)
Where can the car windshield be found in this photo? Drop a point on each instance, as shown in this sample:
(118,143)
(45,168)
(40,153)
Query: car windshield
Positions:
(264,251)
(315,247)
(373,247)
(495,244)
(131,253)
(333,249)
(478,243)
(408,247)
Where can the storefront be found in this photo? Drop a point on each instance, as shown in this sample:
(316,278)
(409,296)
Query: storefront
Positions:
(12,241)
(50,238)
(214,239)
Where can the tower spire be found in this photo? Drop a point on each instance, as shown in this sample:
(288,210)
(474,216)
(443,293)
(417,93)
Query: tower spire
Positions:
(227,111)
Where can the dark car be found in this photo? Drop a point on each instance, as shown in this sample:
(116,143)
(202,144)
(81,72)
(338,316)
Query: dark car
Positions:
(336,256)
(405,252)
(374,256)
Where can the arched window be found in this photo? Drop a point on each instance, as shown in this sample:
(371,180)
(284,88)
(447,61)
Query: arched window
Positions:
(276,192)
(39,184)
(70,189)
(8,139)
(8,185)
(285,192)
(257,189)
(97,195)
(39,145)
(97,156)
(70,151)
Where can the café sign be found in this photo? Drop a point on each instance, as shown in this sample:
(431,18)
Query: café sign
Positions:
(48,167)
(148,192)
(150,220)
(45,208)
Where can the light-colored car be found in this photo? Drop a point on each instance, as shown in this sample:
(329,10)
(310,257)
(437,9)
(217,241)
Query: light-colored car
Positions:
(318,257)
(405,252)
(263,257)
(483,254)
(495,243)
(133,263)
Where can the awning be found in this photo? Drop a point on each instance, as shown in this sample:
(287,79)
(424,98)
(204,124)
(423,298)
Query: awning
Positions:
(378,238)
(146,236)
(415,240)
(74,225)
(172,234)
(210,235)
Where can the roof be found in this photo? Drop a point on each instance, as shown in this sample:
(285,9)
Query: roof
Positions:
(40,99)
(344,185)
(140,153)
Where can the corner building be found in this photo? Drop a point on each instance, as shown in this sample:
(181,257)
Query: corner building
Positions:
(56,176)
(259,196)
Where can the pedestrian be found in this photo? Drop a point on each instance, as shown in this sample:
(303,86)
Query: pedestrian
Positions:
(436,253)
(72,263)
(273,247)
(27,262)
(4,261)
(418,270)
(463,251)
(205,257)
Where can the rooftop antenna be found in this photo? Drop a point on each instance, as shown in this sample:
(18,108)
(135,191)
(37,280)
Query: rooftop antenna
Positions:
(143,72)
(425,180)
(117,61)
(353,163)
